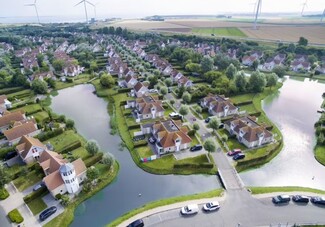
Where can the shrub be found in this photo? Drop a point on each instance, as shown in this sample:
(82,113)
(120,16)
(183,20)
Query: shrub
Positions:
(3,194)
(124,90)
(93,159)
(191,133)
(48,135)
(15,216)
(5,150)
(35,194)
(130,127)
(71,147)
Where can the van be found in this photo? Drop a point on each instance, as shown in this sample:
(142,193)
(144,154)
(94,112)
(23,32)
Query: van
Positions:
(136,223)
(190,209)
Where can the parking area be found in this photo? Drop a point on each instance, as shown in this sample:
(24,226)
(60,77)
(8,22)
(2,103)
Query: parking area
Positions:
(188,154)
(50,201)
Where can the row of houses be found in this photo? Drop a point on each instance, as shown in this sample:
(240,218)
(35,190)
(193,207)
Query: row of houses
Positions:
(70,68)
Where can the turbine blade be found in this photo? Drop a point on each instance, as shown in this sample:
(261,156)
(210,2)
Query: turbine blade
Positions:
(90,3)
(29,4)
(79,3)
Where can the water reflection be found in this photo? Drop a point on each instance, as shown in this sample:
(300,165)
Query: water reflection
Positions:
(294,111)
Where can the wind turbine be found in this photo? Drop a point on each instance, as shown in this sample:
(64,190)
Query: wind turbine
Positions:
(254,3)
(257,13)
(321,19)
(85,5)
(304,5)
(95,9)
(35,6)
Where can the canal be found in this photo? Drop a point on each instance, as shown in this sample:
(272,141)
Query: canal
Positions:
(294,110)
(92,121)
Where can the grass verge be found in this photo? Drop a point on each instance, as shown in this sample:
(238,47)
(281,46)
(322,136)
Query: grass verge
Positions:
(67,216)
(37,205)
(320,154)
(263,190)
(163,202)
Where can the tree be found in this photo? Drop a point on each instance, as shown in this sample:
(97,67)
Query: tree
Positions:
(193,67)
(279,70)
(257,81)
(107,80)
(69,124)
(271,80)
(65,200)
(186,97)
(183,110)
(291,48)
(198,109)
(172,102)
(168,82)
(206,64)
(153,80)
(93,66)
(214,123)
(303,41)
(108,159)
(196,126)
(58,64)
(163,90)
(224,138)
(231,71)
(40,58)
(255,65)
(39,86)
(312,59)
(209,145)
(111,30)
(92,147)
(51,83)
(241,81)
(92,173)
(4,177)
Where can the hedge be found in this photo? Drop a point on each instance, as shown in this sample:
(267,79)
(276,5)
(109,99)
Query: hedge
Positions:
(11,90)
(124,90)
(24,104)
(15,216)
(130,127)
(243,103)
(191,132)
(256,114)
(5,150)
(194,166)
(140,143)
(71,147)
(48,135)
(35,194)
(92,160)
(3,194)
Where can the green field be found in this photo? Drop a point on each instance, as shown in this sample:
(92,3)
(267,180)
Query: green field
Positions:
(220,31)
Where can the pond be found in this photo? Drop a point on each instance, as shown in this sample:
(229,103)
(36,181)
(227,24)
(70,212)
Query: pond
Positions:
(294,110)
(92,121)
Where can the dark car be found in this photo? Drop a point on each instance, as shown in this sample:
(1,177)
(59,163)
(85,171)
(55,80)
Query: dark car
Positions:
(239,156)
(10,155)
(300,199)
(281,199)
(234,152)
(318,200)
(152,140)
(207,120)
(47,213)
(136,223)
(196,147)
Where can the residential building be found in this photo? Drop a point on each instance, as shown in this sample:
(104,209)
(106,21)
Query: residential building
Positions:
(170,136)
(61,176)
(19,129)
(219,105)
(4,103)
(148,107)
(30,149)
(140,89)
(184,81)
(8,118)
(248,131)
(129,82)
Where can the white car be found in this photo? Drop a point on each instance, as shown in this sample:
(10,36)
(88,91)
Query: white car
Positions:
(211,206)
(190,209)
(174,114)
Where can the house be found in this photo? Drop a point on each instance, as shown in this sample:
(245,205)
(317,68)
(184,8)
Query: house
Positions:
(320,69)
(170,136)
(185,82)
(72,70)
(62,176)
(272,62)
(19,129)
(4,103)
(219,106)
(175,75)
(248,60)
(7,119)
(41,76)
(140,89)
(148,107)
(129,82)
(248,131)
(300,65)
(30,149)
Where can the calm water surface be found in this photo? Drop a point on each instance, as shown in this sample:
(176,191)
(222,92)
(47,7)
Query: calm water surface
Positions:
(92,121)
(294,110)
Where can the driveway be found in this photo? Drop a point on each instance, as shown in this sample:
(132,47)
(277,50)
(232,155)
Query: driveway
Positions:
(188,154)
(50,201)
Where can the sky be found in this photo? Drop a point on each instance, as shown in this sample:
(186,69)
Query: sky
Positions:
(141,8)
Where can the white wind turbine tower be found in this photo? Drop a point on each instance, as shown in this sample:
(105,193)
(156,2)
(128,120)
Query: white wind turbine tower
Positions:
(257,12)
(35,7)
(85,5)
(304,5)
(321,19)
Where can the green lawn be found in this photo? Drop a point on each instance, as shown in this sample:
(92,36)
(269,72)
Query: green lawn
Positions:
(65,139)
(31,108)
(262,190)
(80,152)
(37,205)
(102,91)
(33,177)
(320,154)
(220,31)
(41,116)
(144,151)
(21,94)
(82,78)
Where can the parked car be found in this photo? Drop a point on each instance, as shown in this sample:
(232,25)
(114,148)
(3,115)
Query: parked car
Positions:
(211,206)
(281,199)
(239,156)
(318,200)
(136,223)
(207,120)
(300,199)
(234,152)
(47,213)
(10,155)
(197,147)
(190,209)
(38,186)
(152,139)
(173,114)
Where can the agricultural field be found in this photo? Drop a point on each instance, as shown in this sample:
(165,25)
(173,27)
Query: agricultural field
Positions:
(219,31)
